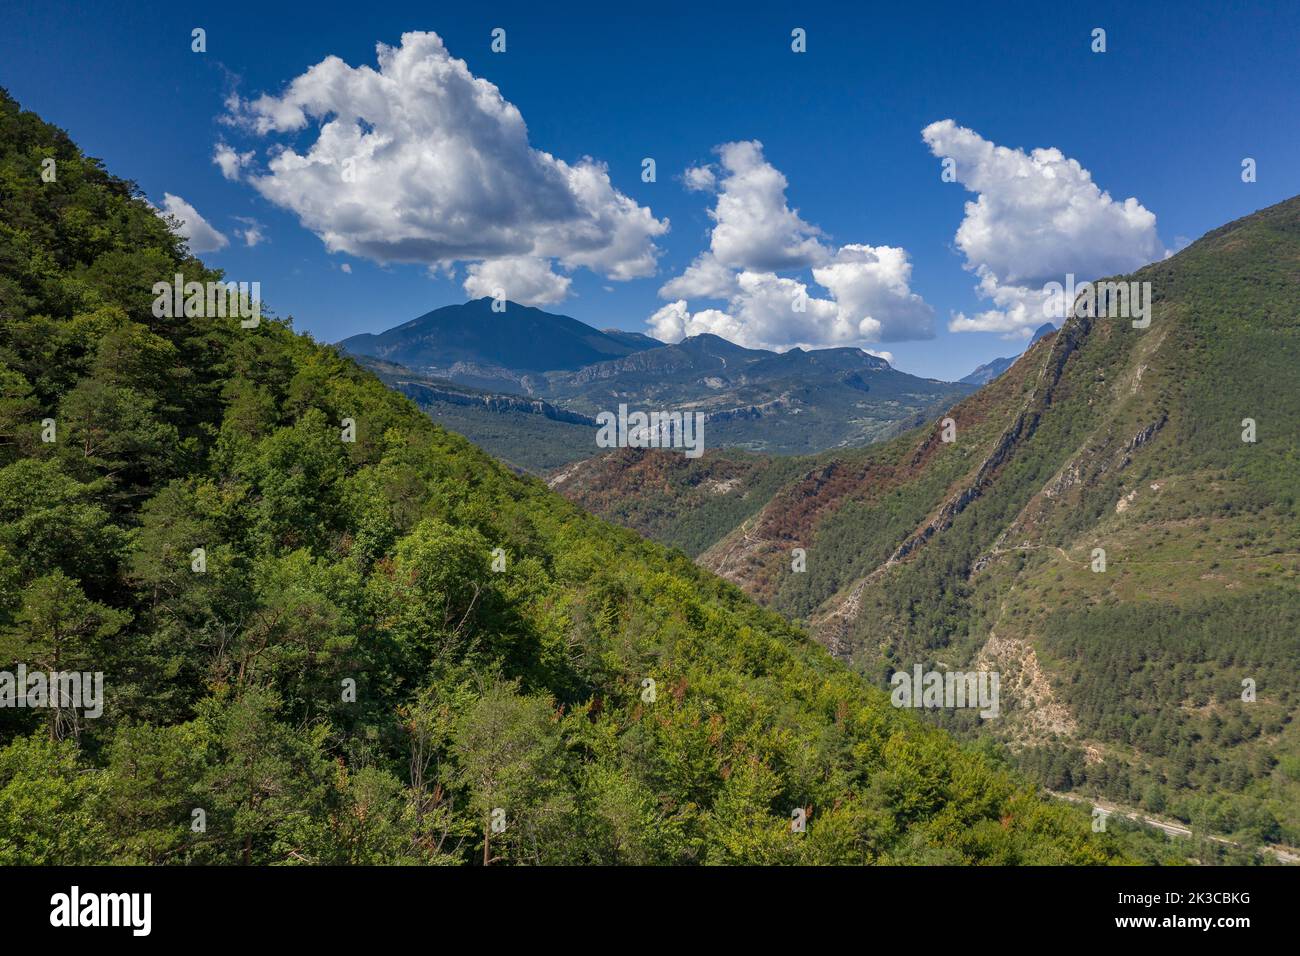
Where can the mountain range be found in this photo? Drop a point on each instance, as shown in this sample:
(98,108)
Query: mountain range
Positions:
(469,367)
(233,525)
(337,633)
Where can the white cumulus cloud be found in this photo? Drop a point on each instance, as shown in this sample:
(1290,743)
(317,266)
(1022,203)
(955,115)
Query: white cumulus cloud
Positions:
(706,278)
(871,285)
(197,231)
(700,178)
(525,280)
(777,312)
(754,227)
(755,236)
(230,161)
(1037,216)
(675,321)
(420,161)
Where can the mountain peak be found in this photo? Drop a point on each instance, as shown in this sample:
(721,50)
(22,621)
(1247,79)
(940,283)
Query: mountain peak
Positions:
(517,337)
(990,370)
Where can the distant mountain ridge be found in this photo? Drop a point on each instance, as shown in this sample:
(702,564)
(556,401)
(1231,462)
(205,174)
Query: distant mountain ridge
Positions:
(795,402)
(519,337)
(696,353)
(991,370)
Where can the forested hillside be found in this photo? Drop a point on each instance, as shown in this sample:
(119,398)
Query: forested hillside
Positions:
(1113,526)
(686,503)
(527,434)
(339,675)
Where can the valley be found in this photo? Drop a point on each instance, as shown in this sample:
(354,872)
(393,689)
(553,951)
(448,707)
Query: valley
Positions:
(1099,529)
(703,436)
(332,632)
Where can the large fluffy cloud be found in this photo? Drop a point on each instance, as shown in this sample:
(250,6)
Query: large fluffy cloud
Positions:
(705,278)
(754,227)
(421,161)
(756,235)
(871,287)
(675,321)
(1037,216)
(870,302)
(525,280)
(201,235)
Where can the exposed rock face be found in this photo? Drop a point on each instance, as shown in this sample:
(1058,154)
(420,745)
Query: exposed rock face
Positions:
(1029,703)
(833,622)
(417,390)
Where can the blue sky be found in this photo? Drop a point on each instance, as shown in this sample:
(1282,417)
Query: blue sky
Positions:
(1166,115)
